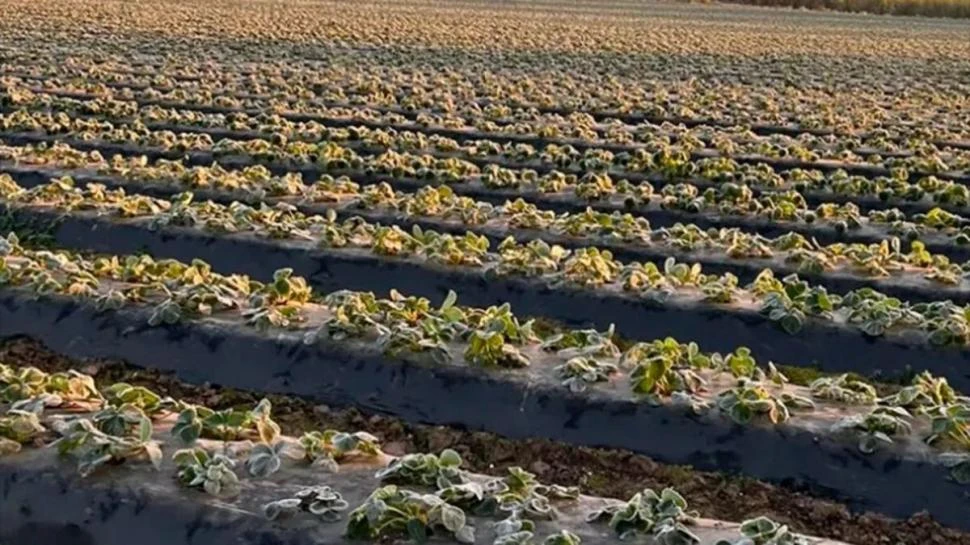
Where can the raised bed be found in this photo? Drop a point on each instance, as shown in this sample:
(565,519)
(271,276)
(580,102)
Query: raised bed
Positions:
(762,129)
(897,482)
(658,216)
(910,287)
(469,135)
(812,197)
(828,345)
(45,502)
(630,119)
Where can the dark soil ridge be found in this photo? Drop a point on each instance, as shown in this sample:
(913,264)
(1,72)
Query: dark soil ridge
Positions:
(657,216)
(601,472)
(761,129)
(830,347)
(911,287)
(357,375)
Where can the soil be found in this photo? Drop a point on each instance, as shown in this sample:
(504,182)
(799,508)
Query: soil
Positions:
(601,472)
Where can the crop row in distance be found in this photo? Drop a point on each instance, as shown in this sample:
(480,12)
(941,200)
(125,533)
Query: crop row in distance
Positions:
(727,205)
(929,8)
(730,103)
(904,180)
(500,119)
(135,307)
(660,163)
(416,95)
(723,187)
(529,128)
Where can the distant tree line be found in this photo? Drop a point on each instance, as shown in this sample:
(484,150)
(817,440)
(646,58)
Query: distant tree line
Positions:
(928,8)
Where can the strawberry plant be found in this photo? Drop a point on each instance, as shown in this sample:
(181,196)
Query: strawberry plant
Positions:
(92,448)
(393,513)
(213,473)
(877,427)
(430,470)
(196,421)
(326,449)
(664,517)
(490,349)
(323,502)
(18,427)
(843,388)
(764,531)
(580,371)
(750,399)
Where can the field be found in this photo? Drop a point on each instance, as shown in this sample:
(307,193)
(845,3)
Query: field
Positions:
(558,272)
(926,8)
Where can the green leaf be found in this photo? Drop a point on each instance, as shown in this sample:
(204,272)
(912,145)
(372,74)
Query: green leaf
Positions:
(452,518)
(961,472)
(187,427)
(212,487)
(144,429)
(263,461)
(449,458)
(417,531)
(284,507)
(8,446)
(791,324)
(449,301)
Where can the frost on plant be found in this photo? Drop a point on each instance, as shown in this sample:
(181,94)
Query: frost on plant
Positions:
(320,501)
(662,516)
(764,531)
(877,427)
(751,398)
(393,513)
(844,389)
(92,448)
(265,459)
(196,421)
(213,473)
(440,471)
(18,428)
(326,449)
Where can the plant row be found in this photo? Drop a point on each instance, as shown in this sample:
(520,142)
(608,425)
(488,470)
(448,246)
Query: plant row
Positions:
(419,496)
(659,164)
(683,148)
(465,96)
(505,125)
(727,205)
(549,274)
(673,382)
(916,274)
(741,186)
